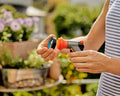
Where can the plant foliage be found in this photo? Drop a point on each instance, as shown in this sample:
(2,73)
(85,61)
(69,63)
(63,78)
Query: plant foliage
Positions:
(8,61)
(70,20)
(68,70)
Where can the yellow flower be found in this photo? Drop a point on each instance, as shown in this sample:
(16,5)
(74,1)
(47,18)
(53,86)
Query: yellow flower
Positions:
(78,89)
(71,66)
(83,75)
(70,72)
(75,77)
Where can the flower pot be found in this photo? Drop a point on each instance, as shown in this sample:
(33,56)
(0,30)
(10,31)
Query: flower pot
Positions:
(21,49)
(19,78)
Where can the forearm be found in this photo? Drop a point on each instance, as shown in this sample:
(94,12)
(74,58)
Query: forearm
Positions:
(113,66)
(91,42)
(96,36)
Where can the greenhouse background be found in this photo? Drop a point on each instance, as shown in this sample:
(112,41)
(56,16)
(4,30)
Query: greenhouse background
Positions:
(23,25)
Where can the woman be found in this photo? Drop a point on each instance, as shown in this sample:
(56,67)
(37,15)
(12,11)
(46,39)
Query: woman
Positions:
(106,28)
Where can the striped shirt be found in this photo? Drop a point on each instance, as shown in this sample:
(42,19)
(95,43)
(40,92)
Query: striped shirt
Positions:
(109,84)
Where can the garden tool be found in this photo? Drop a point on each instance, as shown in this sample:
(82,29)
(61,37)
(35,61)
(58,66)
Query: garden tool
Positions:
(61,44)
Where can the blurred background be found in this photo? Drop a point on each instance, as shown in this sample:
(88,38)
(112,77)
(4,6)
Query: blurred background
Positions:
(63,18)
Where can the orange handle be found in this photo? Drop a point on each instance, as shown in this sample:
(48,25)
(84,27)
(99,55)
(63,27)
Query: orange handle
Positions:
(61,43)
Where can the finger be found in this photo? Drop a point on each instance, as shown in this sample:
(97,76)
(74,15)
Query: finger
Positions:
(50,36)
(65,51)
(50,57)
(83,65)
(87,70)
(80,59)
(47,53)
(83,69)
(45,42)
(78,54)
(41,50)
(81,53)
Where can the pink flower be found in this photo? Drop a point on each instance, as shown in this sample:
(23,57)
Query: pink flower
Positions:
(28,22)
(1,27)
(2,21)
(8,21)
(7,14)
(35,19)
(20,21)
(3,10)
(15,26)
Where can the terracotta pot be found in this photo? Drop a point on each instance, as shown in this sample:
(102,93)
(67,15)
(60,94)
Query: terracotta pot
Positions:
(21,49)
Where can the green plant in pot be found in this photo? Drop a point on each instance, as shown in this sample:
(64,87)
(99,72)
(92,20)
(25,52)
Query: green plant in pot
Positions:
(15,26)
(16,29)
(19,72)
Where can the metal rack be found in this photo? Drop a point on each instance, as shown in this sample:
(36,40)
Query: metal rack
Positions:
(83,81)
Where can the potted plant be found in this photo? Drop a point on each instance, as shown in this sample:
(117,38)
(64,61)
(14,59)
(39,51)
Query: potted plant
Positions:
(19,72)
(68,70)
(16,29)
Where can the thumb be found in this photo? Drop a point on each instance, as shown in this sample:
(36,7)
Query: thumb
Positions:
(50,36)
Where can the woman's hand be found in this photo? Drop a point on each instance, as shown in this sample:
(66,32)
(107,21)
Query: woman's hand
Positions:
(47,54)
(89,61)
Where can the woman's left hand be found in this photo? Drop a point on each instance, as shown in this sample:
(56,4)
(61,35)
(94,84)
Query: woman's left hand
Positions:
(89,61)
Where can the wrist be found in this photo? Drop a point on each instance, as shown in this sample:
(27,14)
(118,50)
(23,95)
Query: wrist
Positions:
(108,64)
(113,66)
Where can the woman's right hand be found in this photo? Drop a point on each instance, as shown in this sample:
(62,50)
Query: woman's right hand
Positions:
(47,54)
